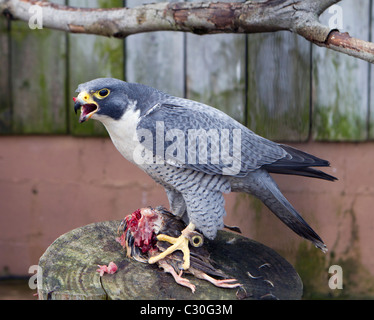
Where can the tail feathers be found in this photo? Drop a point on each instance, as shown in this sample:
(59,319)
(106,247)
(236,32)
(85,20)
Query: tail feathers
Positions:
(306,172)
(298,162)
(279,205)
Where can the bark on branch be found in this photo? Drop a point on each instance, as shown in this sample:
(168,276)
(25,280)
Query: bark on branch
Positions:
(300,17)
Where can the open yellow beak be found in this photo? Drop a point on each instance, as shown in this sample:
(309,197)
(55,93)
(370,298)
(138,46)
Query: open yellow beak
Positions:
(86,104)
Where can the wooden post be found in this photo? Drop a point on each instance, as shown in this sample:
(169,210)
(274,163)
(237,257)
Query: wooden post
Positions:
(37,69)
(5,91)
(91,57)
(340,82)
(69,270)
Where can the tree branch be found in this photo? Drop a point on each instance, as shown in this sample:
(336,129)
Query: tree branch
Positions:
(300,17)
(343,42)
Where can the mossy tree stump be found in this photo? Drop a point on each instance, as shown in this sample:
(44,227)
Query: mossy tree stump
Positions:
(69,270)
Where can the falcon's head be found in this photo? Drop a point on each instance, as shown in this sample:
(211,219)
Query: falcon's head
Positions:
(103,97)
(108,98)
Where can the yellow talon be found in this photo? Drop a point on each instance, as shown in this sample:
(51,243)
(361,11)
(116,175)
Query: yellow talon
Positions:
(180,243)
(164,237)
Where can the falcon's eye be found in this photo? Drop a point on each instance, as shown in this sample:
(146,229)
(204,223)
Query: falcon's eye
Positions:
(102,93)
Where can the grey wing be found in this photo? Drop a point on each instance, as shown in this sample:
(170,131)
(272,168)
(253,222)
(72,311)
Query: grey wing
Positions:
(195,136)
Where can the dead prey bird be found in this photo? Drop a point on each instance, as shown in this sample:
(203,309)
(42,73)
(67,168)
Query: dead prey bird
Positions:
(138,236)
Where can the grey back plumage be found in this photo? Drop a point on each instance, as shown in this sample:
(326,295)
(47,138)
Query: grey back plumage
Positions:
(186,116)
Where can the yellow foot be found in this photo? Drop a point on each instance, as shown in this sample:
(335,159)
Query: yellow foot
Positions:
(180,243)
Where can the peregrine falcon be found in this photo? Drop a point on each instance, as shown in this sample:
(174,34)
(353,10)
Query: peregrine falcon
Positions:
(197,153)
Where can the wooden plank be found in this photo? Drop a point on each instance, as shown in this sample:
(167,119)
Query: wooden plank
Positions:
(215,71)
(37,79)
(156,58)
(5,92)
(92,57)
(279,86)
(340,82)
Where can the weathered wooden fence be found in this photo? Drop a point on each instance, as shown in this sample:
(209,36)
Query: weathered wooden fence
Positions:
(278,84)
